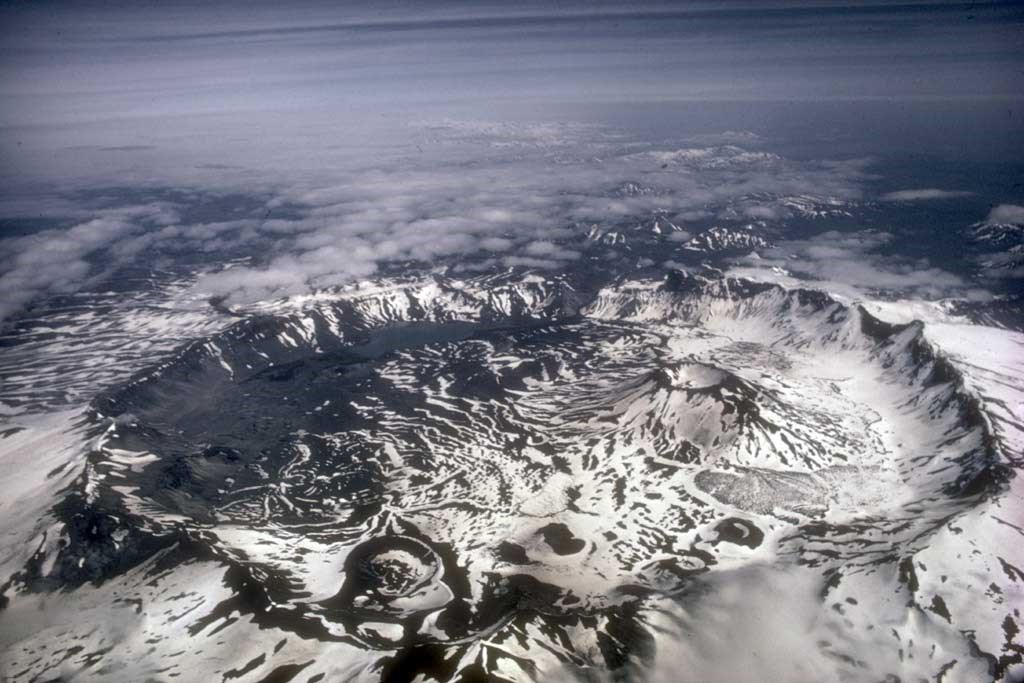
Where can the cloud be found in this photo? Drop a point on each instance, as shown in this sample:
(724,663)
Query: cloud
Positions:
(62,261)
(693,215)
(511,135)
(745,625)
(524,206)
(529,262)
(727,137)
(496,244)
(551,250)
(1006,214)
(924,194)
(461,199)
(721,157)
(852,264)
(761,212)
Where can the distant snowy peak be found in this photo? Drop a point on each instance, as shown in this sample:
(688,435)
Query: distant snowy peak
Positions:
(720,238)
(658,227)
(1003,247)
(765,206)
(597,234)
(808,206)
(713,158)
(999,235)
(662,226)
(632,189)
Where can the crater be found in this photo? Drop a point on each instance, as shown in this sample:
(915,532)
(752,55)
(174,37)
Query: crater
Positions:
(405,488)
(397,576)
(740,532)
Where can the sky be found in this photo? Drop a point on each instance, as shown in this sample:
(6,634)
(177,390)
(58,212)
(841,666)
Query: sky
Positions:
(371,131)
(83,82)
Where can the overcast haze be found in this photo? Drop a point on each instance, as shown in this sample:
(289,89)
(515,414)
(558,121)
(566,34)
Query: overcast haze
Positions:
(87,87)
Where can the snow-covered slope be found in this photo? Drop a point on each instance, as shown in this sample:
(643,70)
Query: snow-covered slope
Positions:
(505,476)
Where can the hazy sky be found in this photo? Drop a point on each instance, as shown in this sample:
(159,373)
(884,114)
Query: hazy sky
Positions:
(74,64)
(238,80)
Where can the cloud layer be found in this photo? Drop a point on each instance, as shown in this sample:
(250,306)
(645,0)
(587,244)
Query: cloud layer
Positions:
(475,194)
(924,194)
(1010,214)
(522,209)
(854,264)
(509,195)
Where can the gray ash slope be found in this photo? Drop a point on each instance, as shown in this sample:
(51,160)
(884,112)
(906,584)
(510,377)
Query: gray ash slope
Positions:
(504,477)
